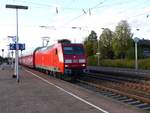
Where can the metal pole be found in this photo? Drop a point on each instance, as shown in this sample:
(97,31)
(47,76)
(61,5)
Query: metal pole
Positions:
(17,45)
(3,59)
(136,57)
(12,60)
(21,60)
(98,53)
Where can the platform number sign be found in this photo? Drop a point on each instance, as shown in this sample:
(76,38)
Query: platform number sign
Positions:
(21,47)
(14,46)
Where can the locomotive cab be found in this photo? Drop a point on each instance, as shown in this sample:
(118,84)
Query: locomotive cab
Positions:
(74,59)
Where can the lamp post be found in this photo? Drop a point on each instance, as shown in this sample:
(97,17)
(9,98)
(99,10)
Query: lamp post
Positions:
(12,59)
(3,58)
(17,38)
(98,53)
(98,50)
(136,40)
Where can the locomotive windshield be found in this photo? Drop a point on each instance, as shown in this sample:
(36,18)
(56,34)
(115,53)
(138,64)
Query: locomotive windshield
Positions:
(75,50)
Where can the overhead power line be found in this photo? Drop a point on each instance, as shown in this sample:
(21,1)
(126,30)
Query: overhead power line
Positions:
(97,4)
(72,20)
(34,3)
(48,5)
(84,10)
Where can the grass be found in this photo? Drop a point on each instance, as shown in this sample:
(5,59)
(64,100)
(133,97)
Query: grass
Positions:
(121,63)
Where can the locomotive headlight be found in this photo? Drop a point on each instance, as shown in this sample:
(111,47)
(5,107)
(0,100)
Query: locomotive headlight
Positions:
(83,65)
(66,65)
(81,60)
(68,61)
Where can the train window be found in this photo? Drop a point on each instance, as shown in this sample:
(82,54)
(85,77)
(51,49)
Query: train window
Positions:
(56,51)
(68,50)
(78,50)
(73,50)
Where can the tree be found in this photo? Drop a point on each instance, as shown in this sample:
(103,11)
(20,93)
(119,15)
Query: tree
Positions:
(105,44)
(122,40)
(88,47)
(90,44)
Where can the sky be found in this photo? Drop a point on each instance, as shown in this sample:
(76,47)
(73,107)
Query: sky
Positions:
(69,19)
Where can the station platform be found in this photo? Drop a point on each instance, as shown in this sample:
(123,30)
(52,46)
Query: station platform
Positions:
(39,93)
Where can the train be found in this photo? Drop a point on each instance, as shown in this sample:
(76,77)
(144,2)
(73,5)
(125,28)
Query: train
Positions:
(64,60)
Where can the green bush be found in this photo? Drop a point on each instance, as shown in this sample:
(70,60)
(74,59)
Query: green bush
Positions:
(117,63)
(144,63)
(92,60)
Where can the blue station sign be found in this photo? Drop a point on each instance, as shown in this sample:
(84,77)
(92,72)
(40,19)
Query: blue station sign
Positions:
(18,46)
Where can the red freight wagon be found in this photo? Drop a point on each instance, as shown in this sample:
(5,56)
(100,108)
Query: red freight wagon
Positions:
(28,59)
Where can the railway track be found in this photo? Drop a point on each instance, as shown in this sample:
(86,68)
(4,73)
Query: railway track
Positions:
(132,91)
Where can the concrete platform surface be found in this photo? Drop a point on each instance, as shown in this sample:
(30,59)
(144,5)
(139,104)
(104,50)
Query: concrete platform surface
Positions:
(37,93)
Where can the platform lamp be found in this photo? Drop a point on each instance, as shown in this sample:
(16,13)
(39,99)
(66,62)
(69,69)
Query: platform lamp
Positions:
(136,40)
(2,57)
(98,50)
(3,54)
(12,59)
(17,38)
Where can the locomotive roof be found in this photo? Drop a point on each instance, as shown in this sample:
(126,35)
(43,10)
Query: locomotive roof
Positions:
(49,47)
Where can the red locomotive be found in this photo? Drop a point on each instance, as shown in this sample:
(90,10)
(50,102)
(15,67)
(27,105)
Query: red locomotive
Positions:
(64,59)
